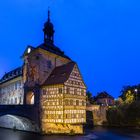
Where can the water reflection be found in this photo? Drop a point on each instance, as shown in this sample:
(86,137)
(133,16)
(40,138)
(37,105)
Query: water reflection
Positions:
(98,133)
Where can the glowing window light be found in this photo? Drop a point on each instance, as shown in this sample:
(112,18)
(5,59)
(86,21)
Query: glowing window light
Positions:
(29,50)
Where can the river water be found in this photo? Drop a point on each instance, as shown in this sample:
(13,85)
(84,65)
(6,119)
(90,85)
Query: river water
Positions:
(97,133)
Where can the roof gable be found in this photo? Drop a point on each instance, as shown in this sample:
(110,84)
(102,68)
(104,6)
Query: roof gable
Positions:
(60,74)
(53,49)
(76,77)
(104,95)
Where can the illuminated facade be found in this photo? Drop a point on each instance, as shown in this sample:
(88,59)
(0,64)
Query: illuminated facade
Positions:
(11,88)
(50,80)
(63,99)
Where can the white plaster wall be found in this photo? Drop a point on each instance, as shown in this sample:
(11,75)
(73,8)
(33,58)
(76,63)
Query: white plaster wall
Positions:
(12,93)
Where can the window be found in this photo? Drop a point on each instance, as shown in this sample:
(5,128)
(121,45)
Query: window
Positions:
(20,100)
(77,102)
(83,103)
(71,102)
(67,102)
(59,116)
(16,86)
(66,116)
(75,91)
(51,103)
(60,102)
(77,115)
(60,90)
(73,115)
(11,101)
(15,100)
(82,92)
(68,90)
(8,101)
(19,83)
(49,64)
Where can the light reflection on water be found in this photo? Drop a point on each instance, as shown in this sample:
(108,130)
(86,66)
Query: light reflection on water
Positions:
(98,133)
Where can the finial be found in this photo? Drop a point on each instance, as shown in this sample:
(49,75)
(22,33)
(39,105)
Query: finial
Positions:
(48,14)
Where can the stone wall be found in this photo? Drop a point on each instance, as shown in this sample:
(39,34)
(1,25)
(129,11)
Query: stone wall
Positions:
(39,64)
(98,114)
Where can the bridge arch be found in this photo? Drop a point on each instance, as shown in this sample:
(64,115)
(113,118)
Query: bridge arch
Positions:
(18,122)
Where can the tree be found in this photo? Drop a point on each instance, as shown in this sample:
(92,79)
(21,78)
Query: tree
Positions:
(89,95)
(118,102)
(90,98)
(124,115)
(129,97)
(130,93)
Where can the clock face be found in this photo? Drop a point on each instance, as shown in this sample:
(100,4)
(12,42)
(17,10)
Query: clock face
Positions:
(29,50)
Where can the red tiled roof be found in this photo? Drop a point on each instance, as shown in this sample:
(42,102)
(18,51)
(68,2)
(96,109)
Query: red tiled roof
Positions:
(60,74)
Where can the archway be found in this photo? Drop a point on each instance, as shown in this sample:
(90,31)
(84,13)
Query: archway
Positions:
(30,98)
(17,122)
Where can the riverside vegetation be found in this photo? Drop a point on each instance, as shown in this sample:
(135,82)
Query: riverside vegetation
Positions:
(126,111)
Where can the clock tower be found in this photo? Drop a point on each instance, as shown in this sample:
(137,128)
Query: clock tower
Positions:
(40,61)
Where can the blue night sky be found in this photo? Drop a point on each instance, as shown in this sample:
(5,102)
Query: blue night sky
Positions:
(102,36)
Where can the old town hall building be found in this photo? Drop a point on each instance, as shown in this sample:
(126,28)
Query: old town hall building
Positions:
(50,80)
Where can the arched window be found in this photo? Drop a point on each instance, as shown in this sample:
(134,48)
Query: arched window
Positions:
(30,98)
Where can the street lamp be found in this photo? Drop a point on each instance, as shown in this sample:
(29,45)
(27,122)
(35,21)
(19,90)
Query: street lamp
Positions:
(136,91)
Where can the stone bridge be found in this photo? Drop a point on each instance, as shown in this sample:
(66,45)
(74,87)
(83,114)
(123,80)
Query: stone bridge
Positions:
(21,117)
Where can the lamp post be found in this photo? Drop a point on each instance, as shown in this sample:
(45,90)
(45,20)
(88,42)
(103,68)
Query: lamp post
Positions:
(136,91)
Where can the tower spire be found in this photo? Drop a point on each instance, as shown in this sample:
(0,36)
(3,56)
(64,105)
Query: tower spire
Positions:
(48,31)
(48,14)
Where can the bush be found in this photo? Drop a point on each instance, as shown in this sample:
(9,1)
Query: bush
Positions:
(124,115)
(114,116)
